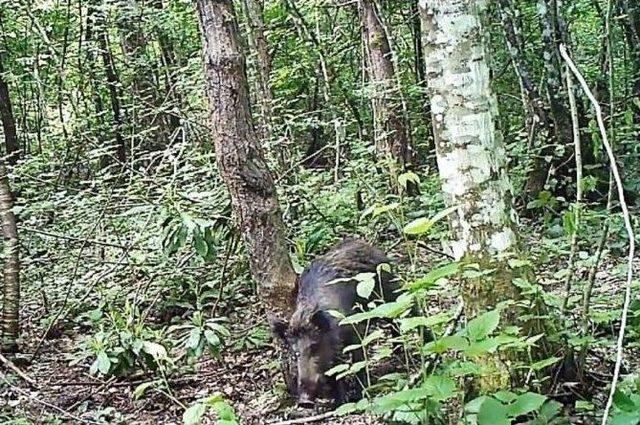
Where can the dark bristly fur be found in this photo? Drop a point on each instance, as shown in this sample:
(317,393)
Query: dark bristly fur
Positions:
(312,332)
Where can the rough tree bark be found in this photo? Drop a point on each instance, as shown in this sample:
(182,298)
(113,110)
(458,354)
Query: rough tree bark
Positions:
(258,42)
(241,161)
(11,287)
(471,157)
(390,127)
(11,143)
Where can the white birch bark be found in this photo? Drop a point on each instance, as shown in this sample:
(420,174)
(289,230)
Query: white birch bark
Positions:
(470,153)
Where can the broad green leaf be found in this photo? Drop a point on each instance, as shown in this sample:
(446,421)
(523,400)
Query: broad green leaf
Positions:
(194,339)
(544,363)
(505,396)
(440,387)
(383,209)
(624,402)
(474,405)
(492,412)
(484,346)
(193,415)
(337,369)
(156,350)
(452,342)
(418,226)
(434,276)
(526,403)
(407,177)
(625,418)
(365,285)
(211,337)
(483,325)
(104,363)
(410,323)
(373,336)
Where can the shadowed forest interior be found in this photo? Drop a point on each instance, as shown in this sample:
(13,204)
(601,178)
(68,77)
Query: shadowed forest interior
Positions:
(319,211)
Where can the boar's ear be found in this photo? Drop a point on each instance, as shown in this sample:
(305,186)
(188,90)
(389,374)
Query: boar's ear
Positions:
(321,320)
(279,329)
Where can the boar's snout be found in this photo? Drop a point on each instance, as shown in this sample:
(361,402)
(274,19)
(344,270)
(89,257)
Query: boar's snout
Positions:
(305,400)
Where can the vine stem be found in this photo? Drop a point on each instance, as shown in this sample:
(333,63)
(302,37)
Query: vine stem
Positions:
(627,223)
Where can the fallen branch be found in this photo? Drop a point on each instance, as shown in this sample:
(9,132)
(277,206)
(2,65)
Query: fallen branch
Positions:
(308,419)
(627,223)
(32,397)
(17,370)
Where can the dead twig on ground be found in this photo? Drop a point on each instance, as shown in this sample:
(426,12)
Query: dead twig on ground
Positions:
(47,404)
(17,370)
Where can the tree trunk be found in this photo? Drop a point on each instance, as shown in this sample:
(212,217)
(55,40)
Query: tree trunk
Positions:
(552,35)
(11,143)
(258,41)
(390,127)
(113,84)
(471,157)
(241,161)
(11,288)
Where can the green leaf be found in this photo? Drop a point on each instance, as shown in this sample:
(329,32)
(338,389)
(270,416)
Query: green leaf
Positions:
(337,369)
(542,364)
(193,415)
(212,338)
(407,177)
(373,336)
(492,412)
(346,409)
(625,418)
(366,284)
(624,402)
(434,276)
(388,310)
(156,350)
(526,403)
(104,363)
(140,390)
(418,226)
(194,339)
(385,208)
(440,387)
(505,396)
(483,325)
(484,346)
(202,248)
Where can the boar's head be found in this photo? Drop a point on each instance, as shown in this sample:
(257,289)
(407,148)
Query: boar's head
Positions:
(312,336)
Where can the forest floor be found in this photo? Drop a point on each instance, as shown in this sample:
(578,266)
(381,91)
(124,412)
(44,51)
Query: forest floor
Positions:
(247,378)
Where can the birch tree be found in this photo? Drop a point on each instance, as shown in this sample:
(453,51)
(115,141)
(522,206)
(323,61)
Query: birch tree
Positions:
(470,153)
(10,249)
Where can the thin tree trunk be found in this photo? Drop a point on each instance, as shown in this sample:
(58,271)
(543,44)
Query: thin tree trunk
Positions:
(11,288)
(390,127)
(553,32)
(11,142)
(241,161)
(113,84)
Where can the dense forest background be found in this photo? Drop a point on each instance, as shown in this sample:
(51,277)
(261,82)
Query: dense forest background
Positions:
(128,288)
